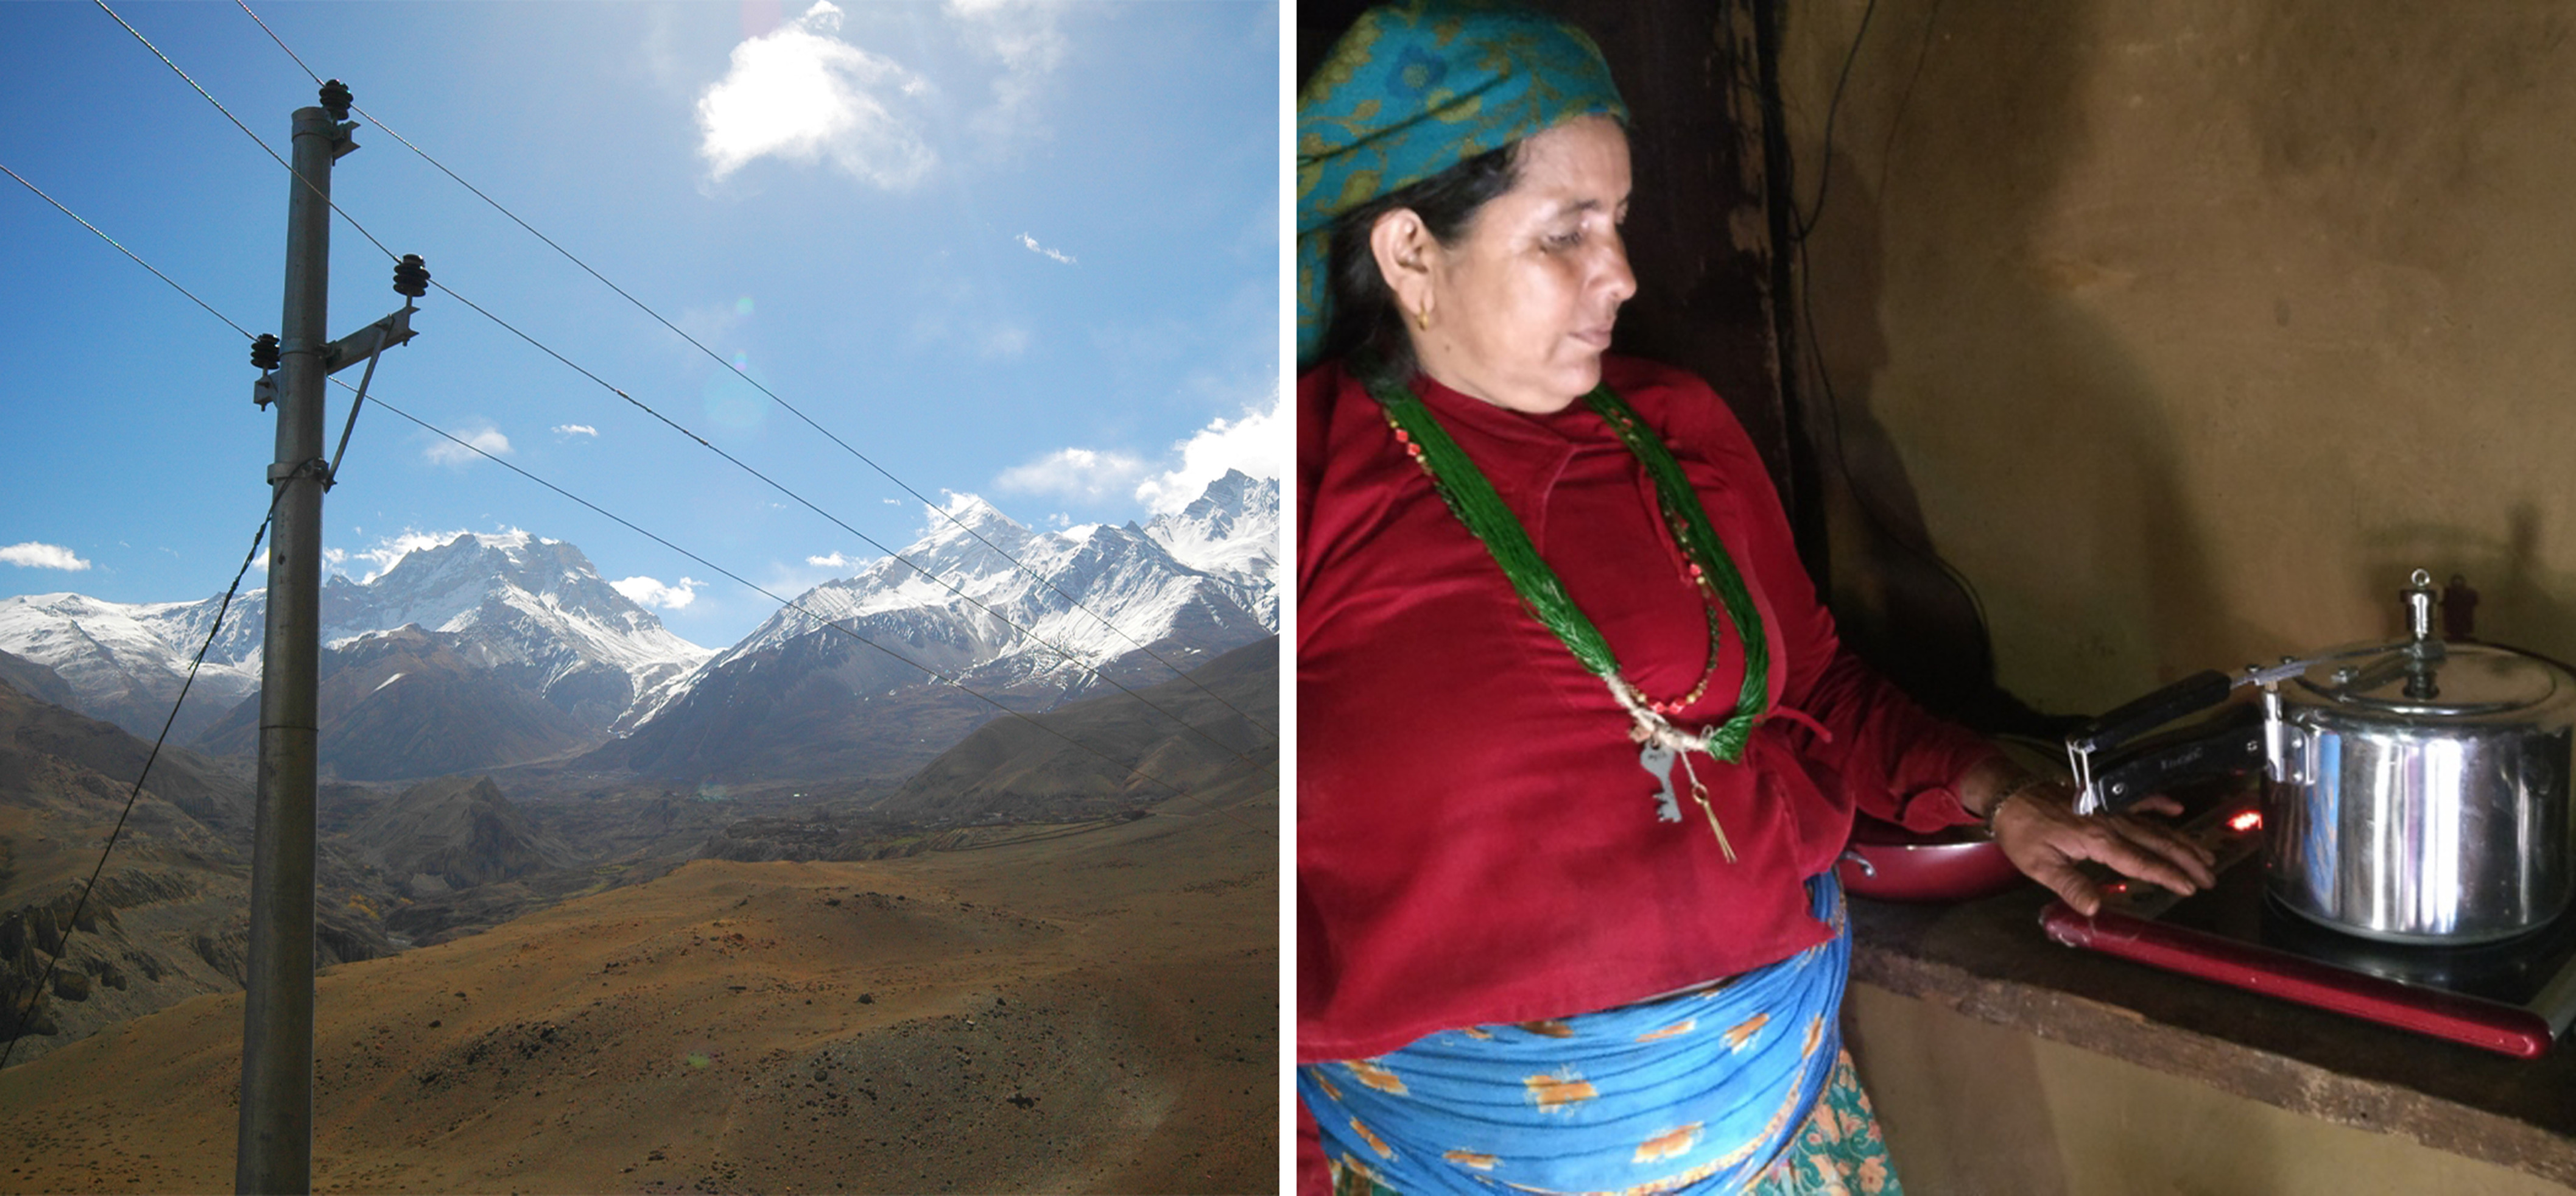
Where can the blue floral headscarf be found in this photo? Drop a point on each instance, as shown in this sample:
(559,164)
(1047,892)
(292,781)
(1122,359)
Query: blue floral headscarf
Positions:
(1414,89)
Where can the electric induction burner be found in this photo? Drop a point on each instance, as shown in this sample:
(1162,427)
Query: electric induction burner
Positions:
(2514,997)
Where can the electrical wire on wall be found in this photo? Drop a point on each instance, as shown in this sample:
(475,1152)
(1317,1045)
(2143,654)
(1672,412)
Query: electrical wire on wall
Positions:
(1804,226)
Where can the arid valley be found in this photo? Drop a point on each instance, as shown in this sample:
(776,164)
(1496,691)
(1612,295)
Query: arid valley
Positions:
(599,910)
(1089,1010)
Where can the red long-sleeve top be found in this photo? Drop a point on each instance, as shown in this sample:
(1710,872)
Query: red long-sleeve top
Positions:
(1476,841)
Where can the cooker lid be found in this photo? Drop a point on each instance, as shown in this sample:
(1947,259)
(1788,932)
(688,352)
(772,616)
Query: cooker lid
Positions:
(2434,679)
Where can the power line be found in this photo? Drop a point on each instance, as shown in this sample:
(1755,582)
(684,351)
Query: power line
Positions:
(120,248)
(254,137)
(1067,655)
(745,375)
(794,605)
(785,603)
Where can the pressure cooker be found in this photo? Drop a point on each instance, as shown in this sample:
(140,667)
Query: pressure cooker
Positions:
(2415,791)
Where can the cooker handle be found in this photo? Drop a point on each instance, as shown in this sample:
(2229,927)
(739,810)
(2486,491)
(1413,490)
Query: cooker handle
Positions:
(2192,694)
(2231,746)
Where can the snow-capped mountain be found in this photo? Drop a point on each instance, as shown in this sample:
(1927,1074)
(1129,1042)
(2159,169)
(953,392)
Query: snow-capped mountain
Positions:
(487,650)
(125,660)
(532,612)
(803,693)
(536,612)
(1232,531)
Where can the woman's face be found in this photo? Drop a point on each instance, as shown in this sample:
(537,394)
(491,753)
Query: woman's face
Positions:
(1522,304)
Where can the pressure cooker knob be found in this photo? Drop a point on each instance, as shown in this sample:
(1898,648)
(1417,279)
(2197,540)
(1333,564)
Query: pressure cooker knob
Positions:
(2419,606)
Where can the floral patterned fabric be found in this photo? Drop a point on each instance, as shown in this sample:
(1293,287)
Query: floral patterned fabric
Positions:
(1707,1090)
(1838,1151)
(1414,89)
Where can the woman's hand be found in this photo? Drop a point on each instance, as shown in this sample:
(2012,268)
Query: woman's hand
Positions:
(2042,835)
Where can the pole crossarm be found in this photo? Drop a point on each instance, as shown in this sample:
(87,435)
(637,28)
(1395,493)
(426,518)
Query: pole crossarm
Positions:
(360,345)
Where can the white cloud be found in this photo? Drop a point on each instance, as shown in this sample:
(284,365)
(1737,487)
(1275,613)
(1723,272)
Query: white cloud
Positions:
(32,555)
(1034,247)
(1250,444)
(487,438)
(1005,340)
(837,560)
(801,93)
(576,430)
(1076,473)
(645,591)
(712,323)
(1022,34)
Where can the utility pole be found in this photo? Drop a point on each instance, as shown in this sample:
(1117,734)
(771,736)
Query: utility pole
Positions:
(274,1152)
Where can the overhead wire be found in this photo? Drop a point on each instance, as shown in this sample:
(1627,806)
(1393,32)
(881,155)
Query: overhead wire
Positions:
(745,375)
(120,248)
(1065,654)
(1137,770)
(852,633)
(254,137)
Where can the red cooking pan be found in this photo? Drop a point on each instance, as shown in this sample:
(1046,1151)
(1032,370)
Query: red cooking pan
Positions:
(1886,862)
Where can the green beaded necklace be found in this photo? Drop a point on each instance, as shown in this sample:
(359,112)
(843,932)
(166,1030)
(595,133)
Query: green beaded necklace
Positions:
(1472,499)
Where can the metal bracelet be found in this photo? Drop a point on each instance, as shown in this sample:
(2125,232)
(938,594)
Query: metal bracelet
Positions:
(2024,784)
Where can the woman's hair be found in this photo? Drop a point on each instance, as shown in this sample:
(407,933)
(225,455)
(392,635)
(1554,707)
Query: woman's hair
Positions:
(1367,331)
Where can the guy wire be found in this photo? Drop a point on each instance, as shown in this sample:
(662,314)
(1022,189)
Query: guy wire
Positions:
(1133,769)
(71,925)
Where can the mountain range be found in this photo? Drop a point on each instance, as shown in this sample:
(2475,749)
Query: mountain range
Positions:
(400,867)
(490,650)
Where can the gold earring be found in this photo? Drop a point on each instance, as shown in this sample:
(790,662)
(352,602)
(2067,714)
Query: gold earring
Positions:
(1422,317)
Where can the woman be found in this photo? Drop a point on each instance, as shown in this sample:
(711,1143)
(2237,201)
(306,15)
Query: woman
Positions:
(1578,746)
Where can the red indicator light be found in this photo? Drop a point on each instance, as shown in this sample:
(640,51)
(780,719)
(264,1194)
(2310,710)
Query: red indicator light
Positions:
(2246,821)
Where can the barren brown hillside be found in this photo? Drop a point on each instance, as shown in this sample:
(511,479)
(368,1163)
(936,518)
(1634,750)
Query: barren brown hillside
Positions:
(1090,1011)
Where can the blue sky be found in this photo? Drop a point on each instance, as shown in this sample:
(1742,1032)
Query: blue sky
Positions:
(1022,249)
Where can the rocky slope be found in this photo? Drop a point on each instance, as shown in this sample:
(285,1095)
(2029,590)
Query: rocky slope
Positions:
(456,833)
(166,920)
(1109,754)
(409,703)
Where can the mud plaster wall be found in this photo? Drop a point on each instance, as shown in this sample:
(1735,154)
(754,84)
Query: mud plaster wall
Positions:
(1975,1109)
(2185,328)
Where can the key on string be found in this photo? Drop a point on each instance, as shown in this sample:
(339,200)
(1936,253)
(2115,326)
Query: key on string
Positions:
(1657,760)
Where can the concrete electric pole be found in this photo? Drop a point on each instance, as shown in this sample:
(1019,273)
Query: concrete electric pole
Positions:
(275,1147)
